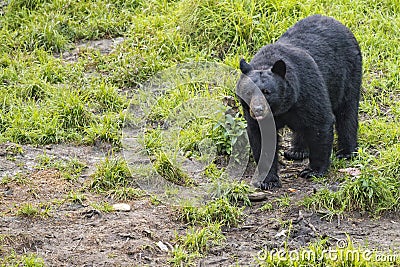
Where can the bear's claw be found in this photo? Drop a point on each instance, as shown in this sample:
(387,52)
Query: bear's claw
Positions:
(295,155)
(308,173)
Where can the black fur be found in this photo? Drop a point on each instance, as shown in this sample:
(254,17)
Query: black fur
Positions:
(311,79)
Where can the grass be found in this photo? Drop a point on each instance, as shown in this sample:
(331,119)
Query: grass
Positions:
(111,173)
(29,210)
(69,169)
(216,211)
(171,171)
(76,197)
(28,260)
(194,243)
(48,96)
(321,253)
(236,193)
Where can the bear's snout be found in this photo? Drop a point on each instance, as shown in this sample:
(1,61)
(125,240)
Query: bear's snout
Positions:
(258,108)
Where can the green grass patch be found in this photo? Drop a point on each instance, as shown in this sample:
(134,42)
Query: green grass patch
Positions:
(30,210)
(321,253)
(28,260)
(195,243)
(171,171)
(70,169)
(217,211)
(111,173)
(376,190)
(235,192)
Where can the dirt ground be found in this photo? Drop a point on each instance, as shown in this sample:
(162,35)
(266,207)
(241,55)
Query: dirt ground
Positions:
(79,235)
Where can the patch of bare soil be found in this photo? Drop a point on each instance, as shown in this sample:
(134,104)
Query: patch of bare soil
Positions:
(78,235)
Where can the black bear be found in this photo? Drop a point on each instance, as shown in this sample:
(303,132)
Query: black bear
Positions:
(311,79)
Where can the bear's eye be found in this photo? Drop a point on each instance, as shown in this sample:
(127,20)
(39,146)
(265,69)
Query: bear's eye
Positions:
(265,91)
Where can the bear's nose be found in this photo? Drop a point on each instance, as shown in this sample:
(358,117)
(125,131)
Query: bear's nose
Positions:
(258,110)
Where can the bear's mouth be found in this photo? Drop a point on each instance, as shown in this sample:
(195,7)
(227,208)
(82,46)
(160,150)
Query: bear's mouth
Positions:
(258,116)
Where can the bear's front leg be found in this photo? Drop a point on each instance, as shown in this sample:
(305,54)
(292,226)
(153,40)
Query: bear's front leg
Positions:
(320,146)
(270,180)
(266,178)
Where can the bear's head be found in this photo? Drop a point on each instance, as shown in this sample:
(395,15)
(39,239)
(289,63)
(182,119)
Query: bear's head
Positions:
(260,88)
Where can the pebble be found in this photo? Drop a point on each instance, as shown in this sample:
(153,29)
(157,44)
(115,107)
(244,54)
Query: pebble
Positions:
(121,207)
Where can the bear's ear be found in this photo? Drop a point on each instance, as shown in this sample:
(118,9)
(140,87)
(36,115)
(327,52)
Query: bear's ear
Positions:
(279,68)
(245,67)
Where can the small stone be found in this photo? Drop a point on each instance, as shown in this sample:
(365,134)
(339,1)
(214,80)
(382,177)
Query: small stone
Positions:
(162,246)
(351,171)
(121,207)
(281,233)
(257,196)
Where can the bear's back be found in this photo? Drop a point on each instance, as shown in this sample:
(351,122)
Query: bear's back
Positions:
(334,49)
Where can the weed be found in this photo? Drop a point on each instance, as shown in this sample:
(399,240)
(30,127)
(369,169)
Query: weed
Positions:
(125,193)
(14,149)
(72,111)
(235,192)
(111,173)
(171,171)
(226,133)
(19,178)
(76,197)
(70,169)
(266,207)
(217,211)
(155,201)
(195,243)
(103,207)
(28,260)
(180,257)
(283,201)
(198,240)
(29,210)
(213,172)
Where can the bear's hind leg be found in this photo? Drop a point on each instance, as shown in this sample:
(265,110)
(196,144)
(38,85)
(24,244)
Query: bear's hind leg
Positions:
(320,145)
(298,149)
(346,127)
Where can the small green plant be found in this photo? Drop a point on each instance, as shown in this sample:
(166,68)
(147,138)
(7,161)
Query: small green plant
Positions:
(70,169)
(326,201)
(283,202)
(76,197)
(44,161)
(72,111)
(196,242)
(155,201)
(217,211)
(235,192)
(103,207)
(199,240)
(19,178)
(226,133)
(125,193)
(266,207)
(181,257)
(28,260)
(14,149)
(29,210)
(111,173)
(171,171)
(213,172)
